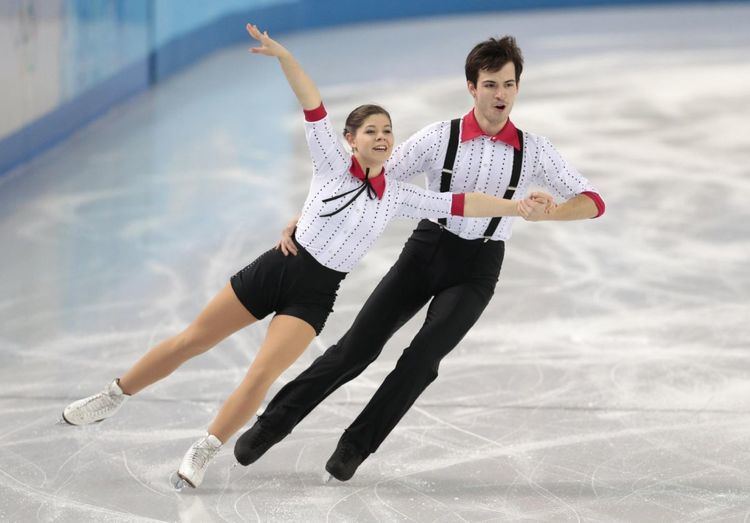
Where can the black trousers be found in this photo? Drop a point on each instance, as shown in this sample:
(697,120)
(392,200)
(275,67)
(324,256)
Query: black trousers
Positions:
(458,275)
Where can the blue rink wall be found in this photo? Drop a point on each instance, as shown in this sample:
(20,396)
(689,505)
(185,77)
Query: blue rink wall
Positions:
(64,62)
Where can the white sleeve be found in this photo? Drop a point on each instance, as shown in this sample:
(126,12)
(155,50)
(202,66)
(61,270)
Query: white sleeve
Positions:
(416,202)
(328,154)
(421,152)
(554,173)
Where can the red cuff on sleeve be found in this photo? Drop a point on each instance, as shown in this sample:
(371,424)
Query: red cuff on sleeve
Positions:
(597,200)
(457,206)
(313,115)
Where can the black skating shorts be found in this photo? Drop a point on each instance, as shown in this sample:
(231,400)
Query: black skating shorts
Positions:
(297,286)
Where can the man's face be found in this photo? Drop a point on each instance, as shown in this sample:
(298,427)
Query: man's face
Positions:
(495,93)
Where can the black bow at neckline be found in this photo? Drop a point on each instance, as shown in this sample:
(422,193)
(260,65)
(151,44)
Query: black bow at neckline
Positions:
(366,186)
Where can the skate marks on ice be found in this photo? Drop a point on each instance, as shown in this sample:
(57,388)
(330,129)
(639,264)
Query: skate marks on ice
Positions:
(617,391)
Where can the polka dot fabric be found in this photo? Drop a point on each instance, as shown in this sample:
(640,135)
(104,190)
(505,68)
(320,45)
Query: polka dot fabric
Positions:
(485,165)
(340,241)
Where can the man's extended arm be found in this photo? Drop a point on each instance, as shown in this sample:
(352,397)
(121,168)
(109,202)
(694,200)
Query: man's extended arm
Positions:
(417,154)
(579,207)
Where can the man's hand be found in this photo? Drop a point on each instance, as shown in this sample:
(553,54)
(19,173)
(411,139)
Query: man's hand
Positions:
(286,244)
(546,199)
(537,207)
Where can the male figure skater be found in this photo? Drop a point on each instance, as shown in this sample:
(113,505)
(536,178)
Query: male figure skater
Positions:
(453,264)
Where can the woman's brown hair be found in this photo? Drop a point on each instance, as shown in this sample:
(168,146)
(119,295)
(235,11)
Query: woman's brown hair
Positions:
(358,116)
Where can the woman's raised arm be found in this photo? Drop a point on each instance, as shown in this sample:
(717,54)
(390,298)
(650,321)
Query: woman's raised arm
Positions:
(304,88)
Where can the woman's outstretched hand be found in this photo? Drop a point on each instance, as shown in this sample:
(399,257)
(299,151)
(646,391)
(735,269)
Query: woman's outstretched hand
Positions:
(268,46)
(302,85)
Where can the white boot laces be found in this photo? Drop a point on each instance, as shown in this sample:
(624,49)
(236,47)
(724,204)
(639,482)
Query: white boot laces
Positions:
(102,403)
(202,453)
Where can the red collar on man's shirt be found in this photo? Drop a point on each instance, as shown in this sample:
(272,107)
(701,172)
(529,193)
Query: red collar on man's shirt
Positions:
(377,182)
(470,130)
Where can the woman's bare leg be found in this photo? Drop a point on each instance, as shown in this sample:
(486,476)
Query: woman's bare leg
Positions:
(286,339)
(223,316)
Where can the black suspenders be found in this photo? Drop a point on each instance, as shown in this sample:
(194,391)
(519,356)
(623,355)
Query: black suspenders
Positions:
(447,173)
(450,158)
(514,177)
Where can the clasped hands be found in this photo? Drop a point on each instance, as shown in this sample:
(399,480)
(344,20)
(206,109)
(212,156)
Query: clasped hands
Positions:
(536,207)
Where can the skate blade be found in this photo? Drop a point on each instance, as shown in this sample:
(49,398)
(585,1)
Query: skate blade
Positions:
(61,421)
(327,478)
(177,482)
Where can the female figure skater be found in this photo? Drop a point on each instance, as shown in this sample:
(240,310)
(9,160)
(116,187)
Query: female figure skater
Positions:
(337,227)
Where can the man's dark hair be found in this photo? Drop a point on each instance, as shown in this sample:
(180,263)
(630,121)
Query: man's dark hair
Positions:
(491,55)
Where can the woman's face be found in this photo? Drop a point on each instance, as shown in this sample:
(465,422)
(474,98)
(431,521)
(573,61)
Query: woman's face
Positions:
(372,142)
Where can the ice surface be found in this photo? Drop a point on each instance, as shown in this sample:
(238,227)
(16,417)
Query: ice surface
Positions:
(607,380)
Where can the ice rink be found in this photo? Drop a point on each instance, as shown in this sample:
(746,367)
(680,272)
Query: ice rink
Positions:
(608,380)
